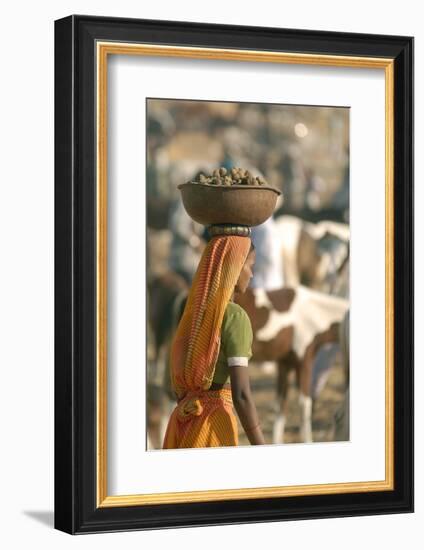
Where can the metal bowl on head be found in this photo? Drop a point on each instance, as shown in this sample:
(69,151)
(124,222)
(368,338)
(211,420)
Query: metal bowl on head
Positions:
(236,204)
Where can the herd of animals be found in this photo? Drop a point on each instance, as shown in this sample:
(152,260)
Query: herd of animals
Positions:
(293,326)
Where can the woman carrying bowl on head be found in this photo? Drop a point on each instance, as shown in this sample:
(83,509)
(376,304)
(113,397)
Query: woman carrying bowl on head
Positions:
(212,346)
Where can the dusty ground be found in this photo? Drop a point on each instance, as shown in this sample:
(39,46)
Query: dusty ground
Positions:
(264,390)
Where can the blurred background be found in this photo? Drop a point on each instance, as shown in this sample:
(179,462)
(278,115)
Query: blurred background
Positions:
(304,152)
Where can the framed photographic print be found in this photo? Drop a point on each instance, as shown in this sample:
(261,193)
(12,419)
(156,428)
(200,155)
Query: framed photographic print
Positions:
(234,274)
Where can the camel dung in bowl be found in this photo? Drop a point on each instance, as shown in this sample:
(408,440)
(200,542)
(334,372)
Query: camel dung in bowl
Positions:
(222,199)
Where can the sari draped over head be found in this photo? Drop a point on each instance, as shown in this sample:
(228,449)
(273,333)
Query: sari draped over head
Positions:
(196,344)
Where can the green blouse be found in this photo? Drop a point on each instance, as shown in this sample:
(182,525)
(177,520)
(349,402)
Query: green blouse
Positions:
(236,342)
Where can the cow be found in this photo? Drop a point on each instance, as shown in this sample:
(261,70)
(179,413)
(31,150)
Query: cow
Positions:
(290,326)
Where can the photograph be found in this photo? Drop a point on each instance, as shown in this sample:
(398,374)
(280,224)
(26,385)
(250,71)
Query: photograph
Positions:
(211,266)
(233,263)
(247,273)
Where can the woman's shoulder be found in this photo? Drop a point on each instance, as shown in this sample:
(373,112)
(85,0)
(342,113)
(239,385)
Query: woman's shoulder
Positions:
(234,311)
(236,333)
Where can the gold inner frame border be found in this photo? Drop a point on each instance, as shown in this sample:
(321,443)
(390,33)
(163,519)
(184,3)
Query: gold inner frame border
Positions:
(103,50)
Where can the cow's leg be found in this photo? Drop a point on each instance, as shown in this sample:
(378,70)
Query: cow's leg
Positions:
(154,418)
(169,405)
(306,422)
(155,414)
(282,389)
(305,397)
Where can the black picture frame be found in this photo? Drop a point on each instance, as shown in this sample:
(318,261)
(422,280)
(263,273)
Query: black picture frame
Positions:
(76,509)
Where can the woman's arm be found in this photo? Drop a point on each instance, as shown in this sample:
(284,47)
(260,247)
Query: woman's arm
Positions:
(244,404)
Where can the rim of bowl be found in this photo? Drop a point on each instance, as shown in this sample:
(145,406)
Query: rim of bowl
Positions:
(254,187)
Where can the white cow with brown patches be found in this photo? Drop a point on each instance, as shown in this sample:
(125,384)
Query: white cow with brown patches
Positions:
(289,327)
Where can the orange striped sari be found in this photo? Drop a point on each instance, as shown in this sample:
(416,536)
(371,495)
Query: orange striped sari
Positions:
(205,418)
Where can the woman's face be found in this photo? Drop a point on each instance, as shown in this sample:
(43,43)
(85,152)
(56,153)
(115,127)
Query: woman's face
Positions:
(246,273)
